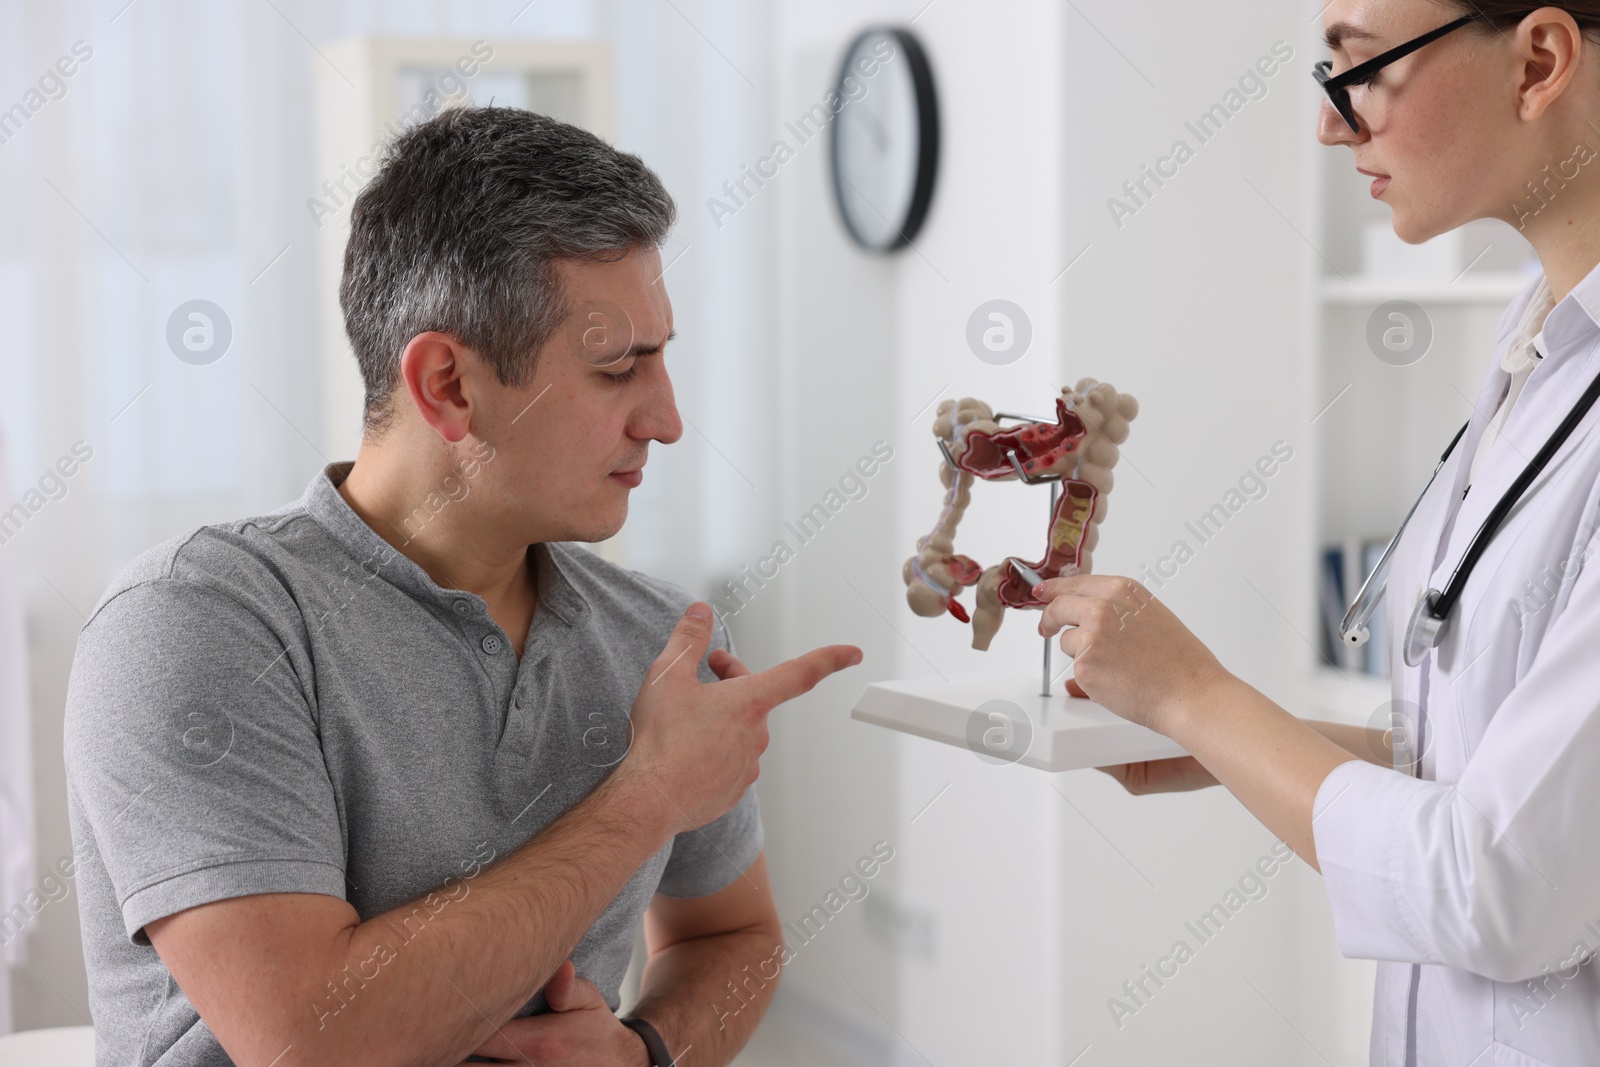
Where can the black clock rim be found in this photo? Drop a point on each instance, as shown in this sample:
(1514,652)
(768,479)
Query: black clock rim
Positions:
(927,139)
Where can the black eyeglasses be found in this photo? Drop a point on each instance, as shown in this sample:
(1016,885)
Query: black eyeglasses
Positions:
(1338,88)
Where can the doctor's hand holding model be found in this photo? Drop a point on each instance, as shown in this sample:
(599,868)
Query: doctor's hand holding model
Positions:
(1471,872)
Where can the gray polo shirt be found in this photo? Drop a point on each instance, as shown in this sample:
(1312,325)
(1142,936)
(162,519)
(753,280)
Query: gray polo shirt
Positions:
(288,704)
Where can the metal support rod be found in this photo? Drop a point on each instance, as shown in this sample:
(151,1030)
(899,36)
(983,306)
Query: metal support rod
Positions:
(1044,684)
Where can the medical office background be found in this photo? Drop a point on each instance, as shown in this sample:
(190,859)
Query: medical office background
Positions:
(194,153)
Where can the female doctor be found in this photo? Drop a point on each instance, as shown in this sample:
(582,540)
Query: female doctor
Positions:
(1473,873)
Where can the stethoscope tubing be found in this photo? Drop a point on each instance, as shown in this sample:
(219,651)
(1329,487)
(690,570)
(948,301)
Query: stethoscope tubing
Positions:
(1434,607)
(1353,628)
(1440,609)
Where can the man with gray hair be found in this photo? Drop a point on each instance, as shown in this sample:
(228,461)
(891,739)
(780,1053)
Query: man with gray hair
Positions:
(390,775)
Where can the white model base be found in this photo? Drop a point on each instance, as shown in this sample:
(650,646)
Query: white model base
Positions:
(1002,718)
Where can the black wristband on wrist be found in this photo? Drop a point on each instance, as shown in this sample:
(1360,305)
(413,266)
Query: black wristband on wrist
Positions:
(659,1056)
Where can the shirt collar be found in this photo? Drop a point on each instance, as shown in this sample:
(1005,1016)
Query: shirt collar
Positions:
(1574,319)
(1527,342)
(324,503)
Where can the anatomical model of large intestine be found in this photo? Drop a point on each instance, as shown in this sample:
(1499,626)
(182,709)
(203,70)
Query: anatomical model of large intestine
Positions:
(1079,448)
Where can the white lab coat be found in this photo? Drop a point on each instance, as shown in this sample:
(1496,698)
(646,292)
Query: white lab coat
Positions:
(1477,883)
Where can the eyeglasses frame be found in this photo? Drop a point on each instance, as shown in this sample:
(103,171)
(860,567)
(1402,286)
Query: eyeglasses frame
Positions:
(1337,86)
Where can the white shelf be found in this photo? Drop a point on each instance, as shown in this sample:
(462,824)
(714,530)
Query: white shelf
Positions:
(1067,733)
(1496,288)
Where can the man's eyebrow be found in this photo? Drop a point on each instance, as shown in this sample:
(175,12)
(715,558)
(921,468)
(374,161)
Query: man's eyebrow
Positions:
(1339,32)
(640,348)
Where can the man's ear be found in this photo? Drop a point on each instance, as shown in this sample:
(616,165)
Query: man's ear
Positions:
(432,367)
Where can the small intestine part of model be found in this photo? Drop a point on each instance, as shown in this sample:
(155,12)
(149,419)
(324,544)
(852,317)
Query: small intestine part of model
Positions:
(1080,446)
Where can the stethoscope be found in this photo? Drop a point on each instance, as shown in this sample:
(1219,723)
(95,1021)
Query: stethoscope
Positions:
(1424,631)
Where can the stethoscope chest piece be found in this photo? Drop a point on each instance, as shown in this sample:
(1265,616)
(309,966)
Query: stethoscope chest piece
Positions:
(1424,630)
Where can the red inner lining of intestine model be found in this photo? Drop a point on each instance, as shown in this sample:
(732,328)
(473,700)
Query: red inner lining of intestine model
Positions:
(1068,523)
(1038,445)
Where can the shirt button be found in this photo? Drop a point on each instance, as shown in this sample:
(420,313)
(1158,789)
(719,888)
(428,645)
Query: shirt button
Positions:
(462,607)
(491,643)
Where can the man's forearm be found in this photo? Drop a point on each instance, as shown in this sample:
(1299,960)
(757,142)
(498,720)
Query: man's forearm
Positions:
(708,993)
(493,939)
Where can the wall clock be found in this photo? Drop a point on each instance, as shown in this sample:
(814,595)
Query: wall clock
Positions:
(885,139)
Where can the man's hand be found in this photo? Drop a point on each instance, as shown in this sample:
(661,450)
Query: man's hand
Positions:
(262,969)
(580,1030)
(700,744)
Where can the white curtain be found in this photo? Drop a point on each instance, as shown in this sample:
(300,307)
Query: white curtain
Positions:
(16,765)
